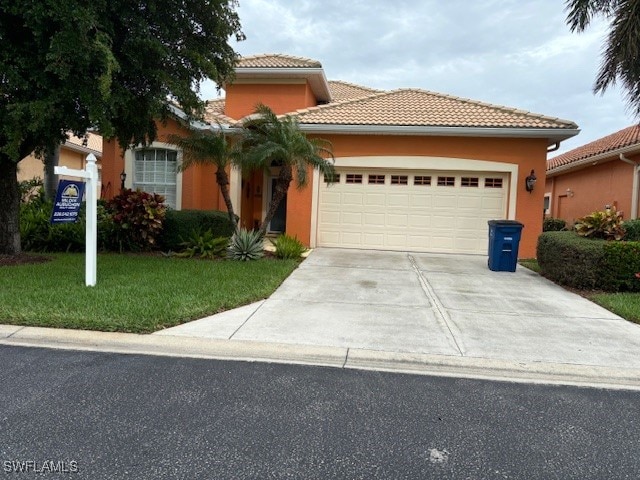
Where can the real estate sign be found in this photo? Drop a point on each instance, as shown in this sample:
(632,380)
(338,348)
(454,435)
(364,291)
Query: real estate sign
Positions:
(68,201)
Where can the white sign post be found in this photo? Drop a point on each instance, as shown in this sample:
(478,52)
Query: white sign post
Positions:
(90,173)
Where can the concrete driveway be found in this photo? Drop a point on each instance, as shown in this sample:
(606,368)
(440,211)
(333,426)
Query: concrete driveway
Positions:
(450,305)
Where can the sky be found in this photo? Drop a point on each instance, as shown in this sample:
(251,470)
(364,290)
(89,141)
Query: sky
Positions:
(508,52)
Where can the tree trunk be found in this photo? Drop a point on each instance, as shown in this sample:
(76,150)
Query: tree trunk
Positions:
(223,181)
(282,186)
(51,160)
(9,207)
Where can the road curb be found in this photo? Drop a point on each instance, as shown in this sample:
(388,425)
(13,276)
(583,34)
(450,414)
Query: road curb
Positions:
(336,357)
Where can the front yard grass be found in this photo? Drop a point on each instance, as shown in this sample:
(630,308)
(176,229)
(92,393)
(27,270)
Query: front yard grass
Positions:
(134,293)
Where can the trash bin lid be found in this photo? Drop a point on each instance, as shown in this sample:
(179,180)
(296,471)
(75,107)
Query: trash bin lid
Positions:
(512,223)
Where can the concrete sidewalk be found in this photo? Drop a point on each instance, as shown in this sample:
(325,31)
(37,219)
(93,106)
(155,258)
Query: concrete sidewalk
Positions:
(402,312)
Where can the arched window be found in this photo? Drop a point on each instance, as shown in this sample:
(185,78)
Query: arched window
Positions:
(155,171)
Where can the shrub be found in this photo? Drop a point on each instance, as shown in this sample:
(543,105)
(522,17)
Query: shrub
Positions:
(632,230)
(288,247)
(30,189)
(204,245)
(605,224)
(553,225)
(180,224)
(584,263)
(246,245)
(137,219)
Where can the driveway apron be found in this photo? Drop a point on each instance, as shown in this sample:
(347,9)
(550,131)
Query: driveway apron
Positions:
(437,304)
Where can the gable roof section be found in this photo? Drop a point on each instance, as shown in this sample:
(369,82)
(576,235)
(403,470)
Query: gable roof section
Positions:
(276,60)
(90,143)
(627,138)
(341,91)
(418,111)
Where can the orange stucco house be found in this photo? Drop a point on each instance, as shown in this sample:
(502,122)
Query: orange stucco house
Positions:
(418,170)
(600,173)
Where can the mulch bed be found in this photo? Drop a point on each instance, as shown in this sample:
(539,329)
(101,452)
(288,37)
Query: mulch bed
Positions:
(22,259)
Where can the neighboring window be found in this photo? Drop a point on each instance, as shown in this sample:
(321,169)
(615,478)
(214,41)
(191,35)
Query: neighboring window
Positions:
(547,203)
(354,178)
(376,179)
(155,171)
(469,181)
(446,181)
(421,180)
(334,179)
(492,183)
(399,179)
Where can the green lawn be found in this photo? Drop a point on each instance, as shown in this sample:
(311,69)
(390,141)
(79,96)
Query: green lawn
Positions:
(627,305)
(134,293)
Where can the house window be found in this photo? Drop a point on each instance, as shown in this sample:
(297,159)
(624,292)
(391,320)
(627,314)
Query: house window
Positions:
(376,179)
(492,183)
(421,180)
(332,179)
(353,178)
(446,181)
(547,203)
(399,179)
(469,181)
(155,171)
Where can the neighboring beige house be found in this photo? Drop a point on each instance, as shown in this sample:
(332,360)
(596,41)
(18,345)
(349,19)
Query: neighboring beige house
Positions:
(73,154)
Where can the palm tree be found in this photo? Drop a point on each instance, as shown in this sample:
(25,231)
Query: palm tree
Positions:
(621,55)
(272,141)
(209,148)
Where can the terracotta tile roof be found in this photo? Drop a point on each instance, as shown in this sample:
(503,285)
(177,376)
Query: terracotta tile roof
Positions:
(214,112)
(271,60)
(341,91)
(414,107)
(93,142)
(624,138)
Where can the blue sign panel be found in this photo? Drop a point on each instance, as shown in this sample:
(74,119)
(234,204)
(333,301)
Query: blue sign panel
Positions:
(68,201)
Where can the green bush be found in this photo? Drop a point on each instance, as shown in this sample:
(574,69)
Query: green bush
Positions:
(204,245)
(553,225)
(578,262)
(288,247)
(137,218)
(180,224)
(605,224)
(632,230)
(246,245)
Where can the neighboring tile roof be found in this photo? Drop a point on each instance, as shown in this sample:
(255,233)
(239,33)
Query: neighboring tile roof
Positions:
(414,107)
(277,60)
(93,142)
(341,91)
(623,138)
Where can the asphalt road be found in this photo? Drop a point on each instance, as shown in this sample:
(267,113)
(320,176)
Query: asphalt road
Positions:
(108,416)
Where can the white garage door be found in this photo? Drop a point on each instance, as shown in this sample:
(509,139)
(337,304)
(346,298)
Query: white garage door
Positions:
(430,211)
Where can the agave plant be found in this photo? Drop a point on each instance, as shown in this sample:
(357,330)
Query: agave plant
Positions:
(246,245)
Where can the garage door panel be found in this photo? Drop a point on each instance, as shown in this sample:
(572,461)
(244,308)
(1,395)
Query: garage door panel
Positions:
(418,217)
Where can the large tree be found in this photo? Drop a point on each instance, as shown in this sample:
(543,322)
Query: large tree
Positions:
(210,148)
(70,65)
(621,52)
(269,141)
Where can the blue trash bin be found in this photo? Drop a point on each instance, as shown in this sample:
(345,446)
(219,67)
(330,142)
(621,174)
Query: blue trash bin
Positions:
(504,240)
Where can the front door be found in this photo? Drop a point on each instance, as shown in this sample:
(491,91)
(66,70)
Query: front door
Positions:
(278,223)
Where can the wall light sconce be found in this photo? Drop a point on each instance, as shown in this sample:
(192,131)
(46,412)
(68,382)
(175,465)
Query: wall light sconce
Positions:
(123,177)
(570,192)
(530,181)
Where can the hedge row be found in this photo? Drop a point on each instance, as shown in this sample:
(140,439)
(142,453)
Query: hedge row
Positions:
(180,224)
(583,263)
